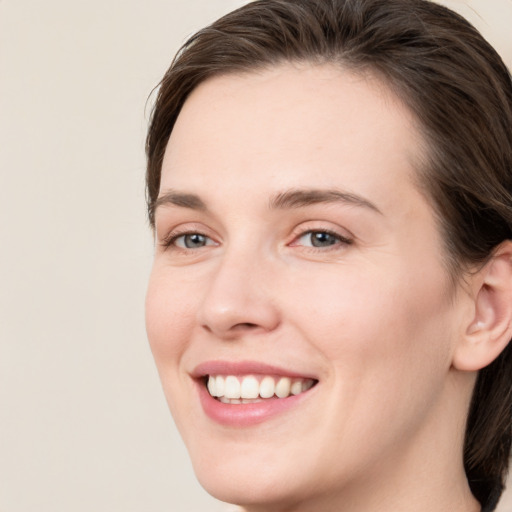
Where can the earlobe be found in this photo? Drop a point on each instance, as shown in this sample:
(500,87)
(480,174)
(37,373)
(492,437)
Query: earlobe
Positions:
(490,329)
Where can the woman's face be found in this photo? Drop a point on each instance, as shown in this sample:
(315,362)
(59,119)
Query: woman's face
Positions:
(294,254)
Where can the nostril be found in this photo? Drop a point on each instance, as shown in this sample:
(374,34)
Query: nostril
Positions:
(234,331)
(245,325)
(237,327)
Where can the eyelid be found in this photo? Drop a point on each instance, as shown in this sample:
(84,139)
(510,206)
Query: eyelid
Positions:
(190,229)
(208,242)
(340,242)
(343,235)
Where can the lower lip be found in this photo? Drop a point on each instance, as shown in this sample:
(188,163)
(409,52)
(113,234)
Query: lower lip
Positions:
(245,415)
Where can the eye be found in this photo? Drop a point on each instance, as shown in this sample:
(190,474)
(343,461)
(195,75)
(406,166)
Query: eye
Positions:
(187,241)
(321,238)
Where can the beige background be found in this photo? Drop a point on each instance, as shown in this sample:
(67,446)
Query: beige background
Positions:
(83,423)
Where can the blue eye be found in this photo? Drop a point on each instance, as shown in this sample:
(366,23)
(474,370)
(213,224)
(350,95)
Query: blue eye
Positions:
(320,239)
(191,241)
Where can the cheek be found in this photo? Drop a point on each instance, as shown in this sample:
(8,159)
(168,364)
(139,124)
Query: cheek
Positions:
(170,314)
(388,343)
(382,332)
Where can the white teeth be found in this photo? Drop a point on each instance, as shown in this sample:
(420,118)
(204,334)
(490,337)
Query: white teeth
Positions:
(283,387)
(232,387)
(225,400)
(212,389)
(219,385)
(267,387)
(296,387)
(250,401)
(248,389)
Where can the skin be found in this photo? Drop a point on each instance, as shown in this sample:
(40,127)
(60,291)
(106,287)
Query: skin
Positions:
(375,320)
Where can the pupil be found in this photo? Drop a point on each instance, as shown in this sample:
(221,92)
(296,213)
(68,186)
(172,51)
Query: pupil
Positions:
(323,239)
(192,241)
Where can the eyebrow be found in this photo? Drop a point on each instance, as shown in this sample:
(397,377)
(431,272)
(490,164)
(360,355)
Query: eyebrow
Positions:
(301,198)
(289,199)
(184,200)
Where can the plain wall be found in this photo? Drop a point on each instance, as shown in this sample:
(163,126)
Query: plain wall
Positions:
(83,422)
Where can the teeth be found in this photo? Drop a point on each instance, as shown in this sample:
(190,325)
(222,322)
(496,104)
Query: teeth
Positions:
(296,387)
(249,389)
(212,388)
(267,387)
(225,400)
(283,387)
(232,387)
(219,385)
(307,384)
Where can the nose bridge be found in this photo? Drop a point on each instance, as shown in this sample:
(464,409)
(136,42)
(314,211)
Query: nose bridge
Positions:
(238,298)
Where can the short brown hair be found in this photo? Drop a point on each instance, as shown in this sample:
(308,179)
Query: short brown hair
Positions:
(461,93)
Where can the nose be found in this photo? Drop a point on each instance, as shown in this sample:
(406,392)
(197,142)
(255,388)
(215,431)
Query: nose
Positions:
(239,298)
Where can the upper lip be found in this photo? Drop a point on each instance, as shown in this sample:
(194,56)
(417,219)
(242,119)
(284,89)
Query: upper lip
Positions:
(220,367)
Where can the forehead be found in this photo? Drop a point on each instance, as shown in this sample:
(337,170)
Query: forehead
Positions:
(292,125)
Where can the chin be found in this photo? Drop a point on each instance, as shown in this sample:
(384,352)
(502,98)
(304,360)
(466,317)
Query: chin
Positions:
(270,476)
(235,476)
(249,489)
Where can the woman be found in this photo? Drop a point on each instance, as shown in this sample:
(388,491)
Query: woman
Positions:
(330,307)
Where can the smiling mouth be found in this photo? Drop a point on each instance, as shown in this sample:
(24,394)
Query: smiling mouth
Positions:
(231,389)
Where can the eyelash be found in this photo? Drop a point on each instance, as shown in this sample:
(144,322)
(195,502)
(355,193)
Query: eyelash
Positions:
(340,239)
(170,240)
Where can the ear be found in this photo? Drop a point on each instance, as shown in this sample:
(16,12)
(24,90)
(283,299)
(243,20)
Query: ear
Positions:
(489,330)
